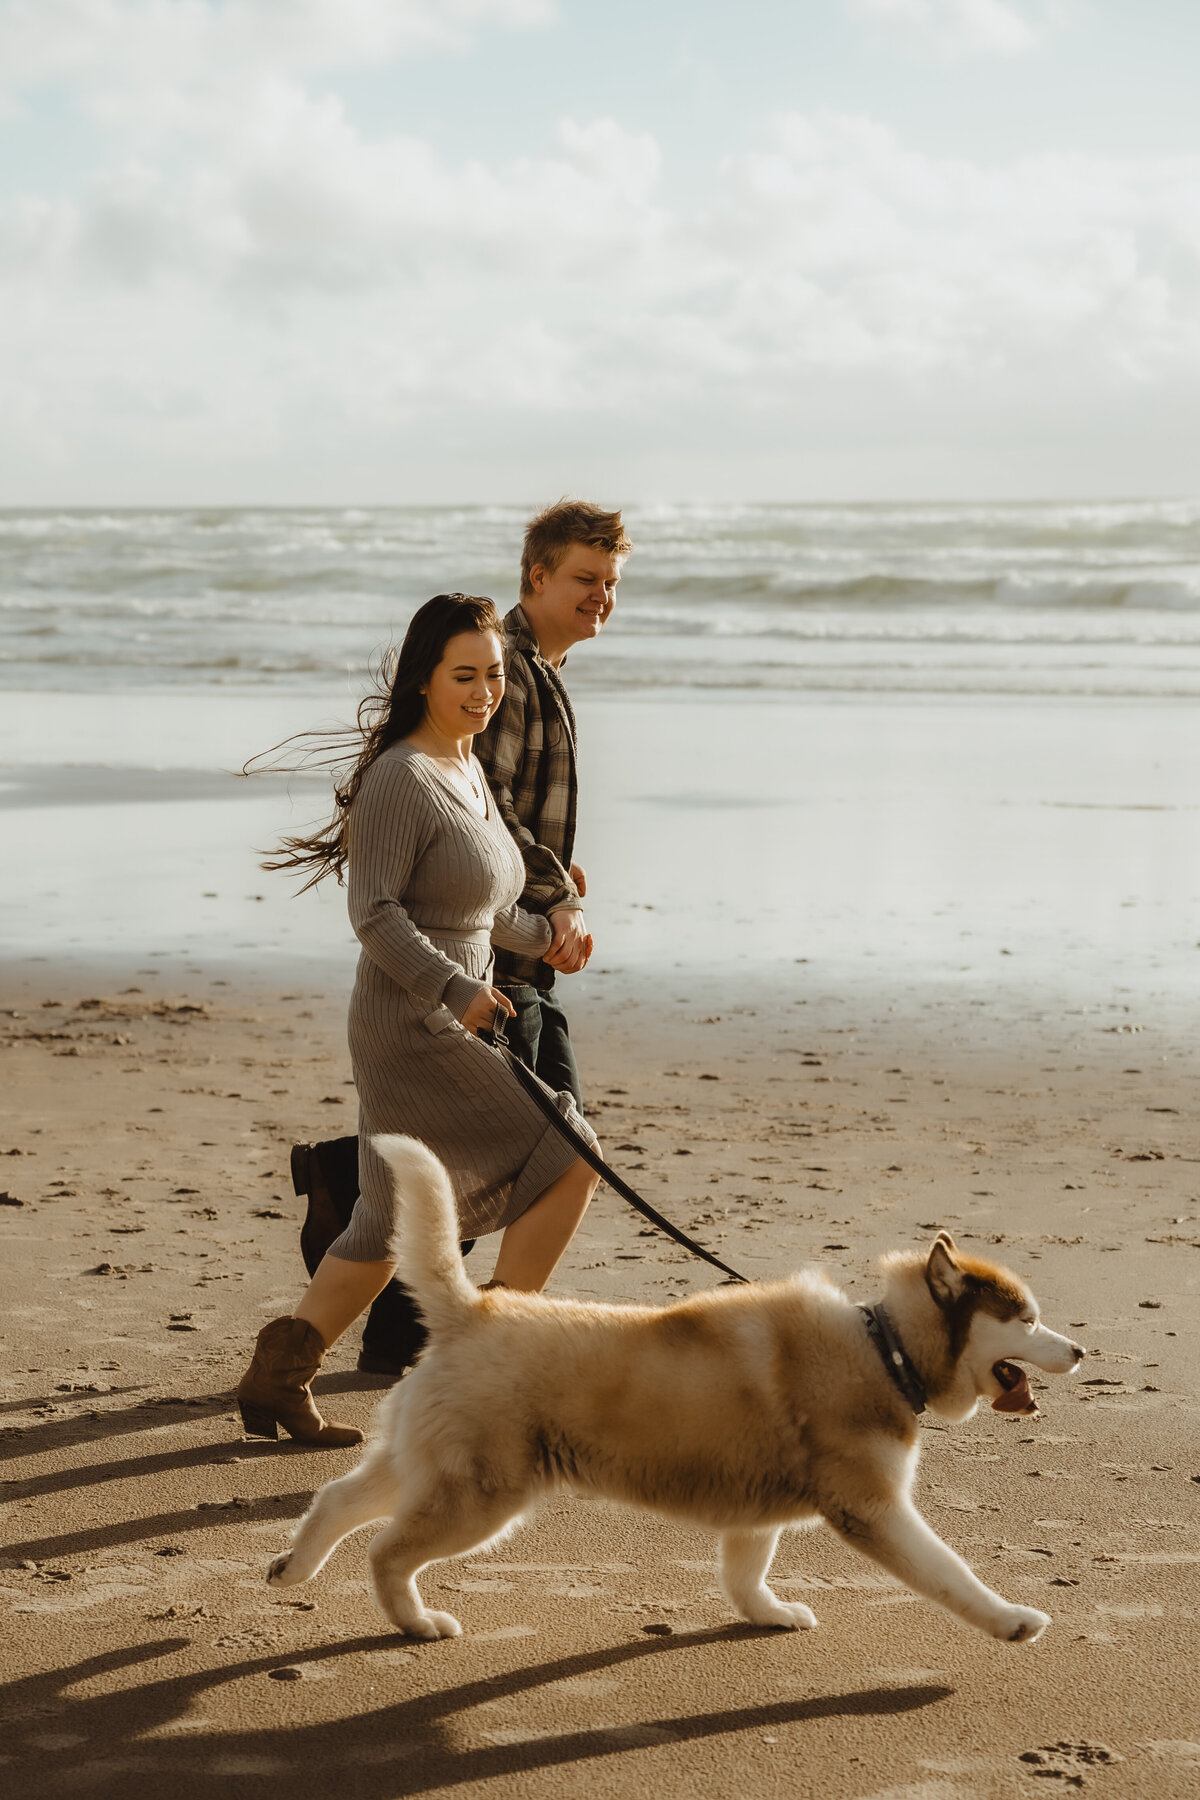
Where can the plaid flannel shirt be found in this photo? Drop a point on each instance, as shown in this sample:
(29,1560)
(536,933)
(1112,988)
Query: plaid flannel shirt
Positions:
(528,756)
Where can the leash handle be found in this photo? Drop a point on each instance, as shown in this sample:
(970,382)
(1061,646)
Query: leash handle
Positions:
(540,1095)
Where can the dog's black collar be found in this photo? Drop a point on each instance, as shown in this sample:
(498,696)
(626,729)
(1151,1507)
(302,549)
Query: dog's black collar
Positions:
(896,1360)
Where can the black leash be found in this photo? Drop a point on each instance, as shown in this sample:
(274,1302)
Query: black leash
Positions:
(542,1098)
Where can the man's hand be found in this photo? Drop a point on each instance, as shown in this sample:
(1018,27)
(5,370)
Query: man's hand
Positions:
(579,877)
(571,945)
(482,1010)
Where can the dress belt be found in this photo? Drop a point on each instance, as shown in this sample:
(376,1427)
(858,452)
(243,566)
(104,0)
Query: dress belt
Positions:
(456,937)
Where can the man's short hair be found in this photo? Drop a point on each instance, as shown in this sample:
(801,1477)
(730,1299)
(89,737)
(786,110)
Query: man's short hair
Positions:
(551,534)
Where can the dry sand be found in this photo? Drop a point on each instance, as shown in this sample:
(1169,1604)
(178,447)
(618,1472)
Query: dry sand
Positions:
(149,1229)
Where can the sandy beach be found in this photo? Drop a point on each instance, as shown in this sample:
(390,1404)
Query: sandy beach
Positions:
(813,388)
(827,1015)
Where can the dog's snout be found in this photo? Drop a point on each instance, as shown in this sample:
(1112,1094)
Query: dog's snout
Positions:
(1079,1352)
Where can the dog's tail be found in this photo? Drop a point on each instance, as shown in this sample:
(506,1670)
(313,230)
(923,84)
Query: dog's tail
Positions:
(430,1259)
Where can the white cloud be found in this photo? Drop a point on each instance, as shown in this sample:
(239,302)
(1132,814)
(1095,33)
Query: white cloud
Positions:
(292,196)
(904,260)
(123,43)
(153,68)
(263,286)
(956,27)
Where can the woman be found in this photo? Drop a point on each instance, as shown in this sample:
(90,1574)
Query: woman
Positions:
(433,878)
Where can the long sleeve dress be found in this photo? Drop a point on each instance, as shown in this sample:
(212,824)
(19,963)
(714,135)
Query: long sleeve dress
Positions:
(431,885)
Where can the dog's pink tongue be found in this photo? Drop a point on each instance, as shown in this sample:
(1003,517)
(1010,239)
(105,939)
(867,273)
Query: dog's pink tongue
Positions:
(1017,1396)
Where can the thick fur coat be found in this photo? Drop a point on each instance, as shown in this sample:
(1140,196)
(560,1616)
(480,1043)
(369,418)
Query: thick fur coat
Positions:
(747,1410)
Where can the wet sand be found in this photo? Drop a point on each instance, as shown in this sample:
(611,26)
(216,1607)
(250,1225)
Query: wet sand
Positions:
(1051,846)
(787,1117)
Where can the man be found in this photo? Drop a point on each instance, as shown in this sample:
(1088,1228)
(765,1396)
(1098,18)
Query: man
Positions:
(568,589)
(570,565)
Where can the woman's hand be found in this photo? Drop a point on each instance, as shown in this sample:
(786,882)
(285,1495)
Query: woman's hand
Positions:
(481,1013)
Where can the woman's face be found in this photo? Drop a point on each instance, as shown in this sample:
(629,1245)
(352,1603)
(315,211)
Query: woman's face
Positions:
(467,686)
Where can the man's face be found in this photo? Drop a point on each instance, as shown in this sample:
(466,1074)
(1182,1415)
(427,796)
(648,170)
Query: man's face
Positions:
(576,599)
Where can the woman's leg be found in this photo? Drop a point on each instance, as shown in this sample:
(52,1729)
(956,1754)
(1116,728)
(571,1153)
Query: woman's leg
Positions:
(339,1291)
(532,1244)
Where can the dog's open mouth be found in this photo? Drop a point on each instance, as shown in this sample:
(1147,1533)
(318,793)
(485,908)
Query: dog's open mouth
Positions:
(1017,1396)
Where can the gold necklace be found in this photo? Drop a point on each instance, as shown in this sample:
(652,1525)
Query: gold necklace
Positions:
(464,773)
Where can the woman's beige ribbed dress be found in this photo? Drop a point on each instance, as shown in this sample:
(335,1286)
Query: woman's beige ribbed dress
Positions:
(431,884)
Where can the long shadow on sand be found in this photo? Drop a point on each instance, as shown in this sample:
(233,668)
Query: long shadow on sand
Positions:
(144,1415)
(148,1415)
(134,1468)
(284,1507)
(398,1750)
(64,1434)
(58,1398)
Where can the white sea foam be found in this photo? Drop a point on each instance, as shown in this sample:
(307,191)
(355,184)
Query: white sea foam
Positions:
(1096,597)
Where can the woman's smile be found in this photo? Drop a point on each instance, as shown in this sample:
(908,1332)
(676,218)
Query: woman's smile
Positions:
(474,660)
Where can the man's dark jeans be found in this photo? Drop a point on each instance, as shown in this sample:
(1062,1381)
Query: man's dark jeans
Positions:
(539,1035)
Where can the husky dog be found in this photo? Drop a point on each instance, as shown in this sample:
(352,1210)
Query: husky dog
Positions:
(747,1409)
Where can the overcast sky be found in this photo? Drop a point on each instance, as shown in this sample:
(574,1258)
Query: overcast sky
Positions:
(404,250)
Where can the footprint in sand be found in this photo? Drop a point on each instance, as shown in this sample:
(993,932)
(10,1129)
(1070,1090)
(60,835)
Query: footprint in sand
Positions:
(1068,1762)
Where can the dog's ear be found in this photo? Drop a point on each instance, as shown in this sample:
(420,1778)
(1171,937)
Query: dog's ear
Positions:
(943,1277)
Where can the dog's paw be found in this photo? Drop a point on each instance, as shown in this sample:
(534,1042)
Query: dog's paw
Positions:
(278,1573)
(434,1625)
(1023,1625)
(783,1615)
(799,1618)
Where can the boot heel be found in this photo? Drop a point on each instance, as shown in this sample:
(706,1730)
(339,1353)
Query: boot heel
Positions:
(257,1421)
(274,1389)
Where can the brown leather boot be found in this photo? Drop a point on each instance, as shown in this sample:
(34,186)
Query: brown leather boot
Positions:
(274,1389)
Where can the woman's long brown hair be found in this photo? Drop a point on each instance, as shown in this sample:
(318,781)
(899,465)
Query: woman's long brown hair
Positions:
(394,710)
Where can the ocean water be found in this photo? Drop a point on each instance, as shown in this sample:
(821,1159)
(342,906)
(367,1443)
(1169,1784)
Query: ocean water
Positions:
(1073,599)
(900,743)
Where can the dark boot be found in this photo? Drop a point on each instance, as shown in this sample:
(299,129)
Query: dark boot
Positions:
(327,1173)
(274,1389)
(393,1336)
